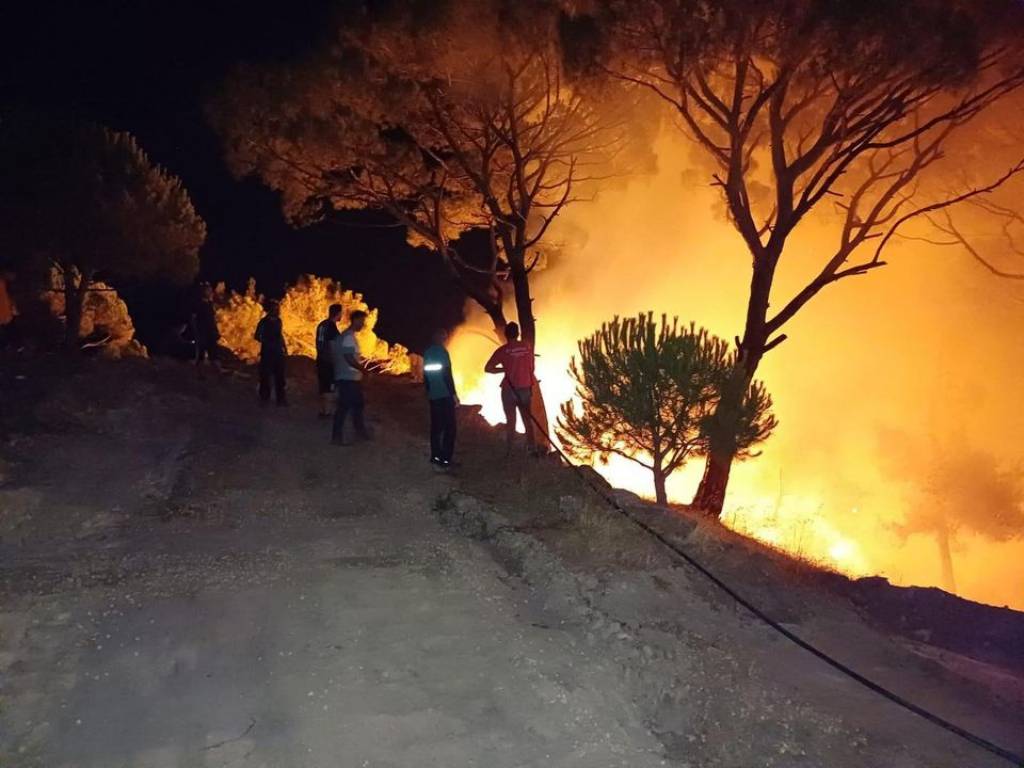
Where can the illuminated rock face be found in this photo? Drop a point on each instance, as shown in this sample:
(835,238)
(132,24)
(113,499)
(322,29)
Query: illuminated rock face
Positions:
(303,306)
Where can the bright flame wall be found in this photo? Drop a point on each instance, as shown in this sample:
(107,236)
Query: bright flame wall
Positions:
(929,345)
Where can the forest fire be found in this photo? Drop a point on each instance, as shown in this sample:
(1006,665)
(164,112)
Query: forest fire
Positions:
(791,522)
(802,146)
(862,389)
(758,263)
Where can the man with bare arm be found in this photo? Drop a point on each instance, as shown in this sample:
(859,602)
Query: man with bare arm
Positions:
(349,367)
(514,359)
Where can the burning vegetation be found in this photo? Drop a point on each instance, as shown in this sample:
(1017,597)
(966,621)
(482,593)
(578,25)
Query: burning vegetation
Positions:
(303,306)
(799,145)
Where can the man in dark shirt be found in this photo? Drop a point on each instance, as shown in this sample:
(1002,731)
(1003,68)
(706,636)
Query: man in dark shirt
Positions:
(326,330)
(204,327)
(270,335)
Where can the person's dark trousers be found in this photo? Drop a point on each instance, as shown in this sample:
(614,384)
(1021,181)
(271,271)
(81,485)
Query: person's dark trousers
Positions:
(206,349)
(442,429)
(272,368)
(350,401)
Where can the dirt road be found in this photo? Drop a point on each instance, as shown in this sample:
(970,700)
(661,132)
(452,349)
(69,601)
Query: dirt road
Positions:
(299,605)
(191,580)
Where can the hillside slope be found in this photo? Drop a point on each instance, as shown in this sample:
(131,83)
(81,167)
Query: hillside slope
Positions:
(191,580)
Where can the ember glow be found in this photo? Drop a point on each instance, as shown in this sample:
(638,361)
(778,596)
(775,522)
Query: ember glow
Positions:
(927,349)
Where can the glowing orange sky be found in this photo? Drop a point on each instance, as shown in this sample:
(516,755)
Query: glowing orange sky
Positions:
(928,346)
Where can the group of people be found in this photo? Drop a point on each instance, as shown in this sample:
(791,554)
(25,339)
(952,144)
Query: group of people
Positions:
(269,333)
(514,360)
(340,368)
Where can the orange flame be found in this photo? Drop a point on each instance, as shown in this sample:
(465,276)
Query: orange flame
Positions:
(919,348)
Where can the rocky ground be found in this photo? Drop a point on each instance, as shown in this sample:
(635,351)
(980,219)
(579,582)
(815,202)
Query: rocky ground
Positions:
(188,579)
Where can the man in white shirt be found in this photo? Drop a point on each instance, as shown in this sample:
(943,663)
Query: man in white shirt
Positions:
(348,366)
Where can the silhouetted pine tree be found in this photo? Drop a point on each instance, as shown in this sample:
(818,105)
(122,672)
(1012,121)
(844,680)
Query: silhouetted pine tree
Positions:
(648,391)
(85,202)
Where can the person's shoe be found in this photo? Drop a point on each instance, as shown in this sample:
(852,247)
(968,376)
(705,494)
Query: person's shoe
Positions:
(365,436)
(436,461)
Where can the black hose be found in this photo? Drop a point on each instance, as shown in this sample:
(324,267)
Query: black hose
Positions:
(963,733)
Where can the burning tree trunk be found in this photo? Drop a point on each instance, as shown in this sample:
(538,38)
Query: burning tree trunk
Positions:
(710,495)
(528,327)
(524,301)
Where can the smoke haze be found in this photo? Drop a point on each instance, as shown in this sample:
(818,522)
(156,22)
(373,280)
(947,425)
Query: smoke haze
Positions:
(926,349)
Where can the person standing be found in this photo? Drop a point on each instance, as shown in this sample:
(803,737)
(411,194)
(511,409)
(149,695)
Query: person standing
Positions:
(348,367)
(326,330)
(514,359)
(270,335)
(205,333)
(440,386)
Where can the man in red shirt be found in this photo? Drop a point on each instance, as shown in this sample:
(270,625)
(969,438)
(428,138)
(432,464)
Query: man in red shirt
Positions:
(515,360)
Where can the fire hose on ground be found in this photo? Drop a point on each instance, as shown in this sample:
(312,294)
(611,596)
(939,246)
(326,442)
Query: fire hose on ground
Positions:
(871,685)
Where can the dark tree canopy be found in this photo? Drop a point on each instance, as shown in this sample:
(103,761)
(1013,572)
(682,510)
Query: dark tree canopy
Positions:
(648,391)
(450,116)
(81,197)
(85,202)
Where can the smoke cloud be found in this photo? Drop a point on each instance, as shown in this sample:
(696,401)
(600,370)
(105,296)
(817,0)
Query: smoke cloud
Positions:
(928,349)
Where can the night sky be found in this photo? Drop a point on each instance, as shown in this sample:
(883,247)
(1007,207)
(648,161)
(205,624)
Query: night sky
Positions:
(146,66)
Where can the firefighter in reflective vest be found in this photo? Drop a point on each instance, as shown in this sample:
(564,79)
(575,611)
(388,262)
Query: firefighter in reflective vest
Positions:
(440,386)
